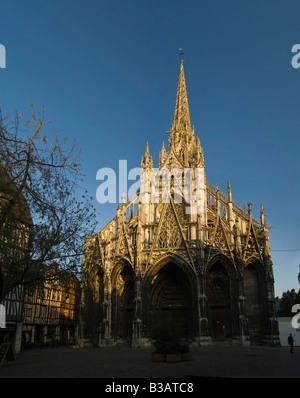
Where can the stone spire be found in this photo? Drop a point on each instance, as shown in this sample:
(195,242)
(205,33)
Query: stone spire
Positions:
(182,121)
(262,215)
(199,156)
(182,139)
(265,230)
(147,161)
(229,193)
(162,155)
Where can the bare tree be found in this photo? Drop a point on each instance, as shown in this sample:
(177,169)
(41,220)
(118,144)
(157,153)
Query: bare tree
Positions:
(43,218)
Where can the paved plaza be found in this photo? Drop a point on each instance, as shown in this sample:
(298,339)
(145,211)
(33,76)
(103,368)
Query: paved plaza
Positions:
(125,362)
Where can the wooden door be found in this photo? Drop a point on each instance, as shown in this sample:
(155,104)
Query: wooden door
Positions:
(218,322)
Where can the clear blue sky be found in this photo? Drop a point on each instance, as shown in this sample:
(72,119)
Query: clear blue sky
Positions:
(107,73)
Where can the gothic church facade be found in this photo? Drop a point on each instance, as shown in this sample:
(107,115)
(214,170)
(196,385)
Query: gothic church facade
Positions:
(208,273)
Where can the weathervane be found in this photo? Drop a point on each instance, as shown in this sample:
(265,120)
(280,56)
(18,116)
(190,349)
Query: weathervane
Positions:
(181,53)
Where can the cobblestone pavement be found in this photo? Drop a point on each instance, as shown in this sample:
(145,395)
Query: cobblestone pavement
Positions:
(125,362)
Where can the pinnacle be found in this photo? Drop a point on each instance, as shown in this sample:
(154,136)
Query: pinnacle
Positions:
(147,151)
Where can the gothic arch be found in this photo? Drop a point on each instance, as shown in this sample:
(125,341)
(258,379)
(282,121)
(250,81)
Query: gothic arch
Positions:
(118,267)
(180,261)
(221,293)
(170,293)
(255,261)
(122,300)
(226,261)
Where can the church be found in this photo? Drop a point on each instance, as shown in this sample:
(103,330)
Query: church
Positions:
(199,264)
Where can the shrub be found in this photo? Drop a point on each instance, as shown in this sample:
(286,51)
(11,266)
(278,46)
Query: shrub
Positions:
(167,341)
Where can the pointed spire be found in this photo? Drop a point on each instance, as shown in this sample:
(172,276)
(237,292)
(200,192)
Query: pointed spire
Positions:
(262,215)
(182,139)
(237,238)
(183,146)
(147,161)
(198,153)
(182,121)
(162,155)
(229,193)
(147,152)
(249,208)
(267,248)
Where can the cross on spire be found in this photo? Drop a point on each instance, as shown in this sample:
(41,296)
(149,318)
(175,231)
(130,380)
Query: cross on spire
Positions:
(181,53)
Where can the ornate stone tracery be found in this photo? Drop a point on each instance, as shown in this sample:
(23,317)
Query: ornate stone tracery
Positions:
(169,236)
(204,270)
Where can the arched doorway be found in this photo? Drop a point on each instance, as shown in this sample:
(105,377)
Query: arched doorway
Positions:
(171,301)
(253,293)
(123,303)
(220,303)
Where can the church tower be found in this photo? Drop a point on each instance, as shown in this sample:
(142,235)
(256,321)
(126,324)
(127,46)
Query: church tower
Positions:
(181,253)
(184,150)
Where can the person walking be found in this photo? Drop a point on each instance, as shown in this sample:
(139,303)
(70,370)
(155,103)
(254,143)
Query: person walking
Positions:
(291,342)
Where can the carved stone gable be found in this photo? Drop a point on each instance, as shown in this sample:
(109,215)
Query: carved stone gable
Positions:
(169,234)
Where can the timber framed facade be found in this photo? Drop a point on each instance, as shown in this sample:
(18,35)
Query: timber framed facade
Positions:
(208,273)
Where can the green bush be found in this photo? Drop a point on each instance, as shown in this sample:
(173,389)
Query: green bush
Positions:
(167,341)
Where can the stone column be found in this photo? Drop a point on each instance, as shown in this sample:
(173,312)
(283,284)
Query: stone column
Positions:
(137,323)
(243,322)
(106,319)
(105,340)
(204,337)
(272,332)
